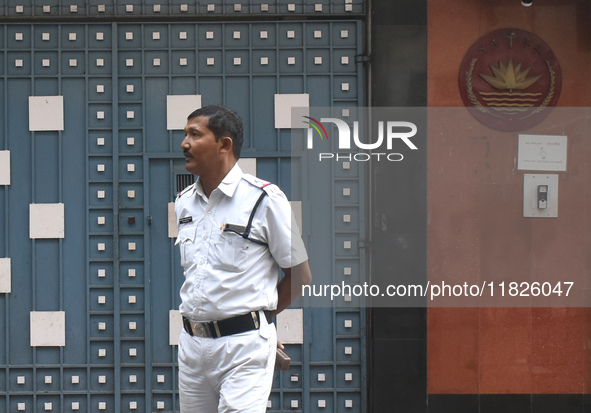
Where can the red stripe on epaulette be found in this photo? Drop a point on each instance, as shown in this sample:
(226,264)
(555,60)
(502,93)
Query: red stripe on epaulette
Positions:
(184,191)
(267,184)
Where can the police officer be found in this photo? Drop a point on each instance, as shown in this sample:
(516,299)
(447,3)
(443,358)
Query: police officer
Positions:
(235,233)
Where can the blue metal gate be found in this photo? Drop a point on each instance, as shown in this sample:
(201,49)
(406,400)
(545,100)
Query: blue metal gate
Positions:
(90,273)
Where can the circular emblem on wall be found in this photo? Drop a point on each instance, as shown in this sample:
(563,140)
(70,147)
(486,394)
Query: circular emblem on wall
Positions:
(510,79)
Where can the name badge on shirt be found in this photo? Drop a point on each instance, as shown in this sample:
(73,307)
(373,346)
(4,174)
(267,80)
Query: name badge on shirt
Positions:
(185,220)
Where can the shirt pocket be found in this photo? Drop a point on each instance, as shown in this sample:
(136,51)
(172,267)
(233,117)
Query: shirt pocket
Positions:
(186,242)
(232,252)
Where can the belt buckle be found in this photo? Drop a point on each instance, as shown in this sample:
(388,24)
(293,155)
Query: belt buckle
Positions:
(200,330)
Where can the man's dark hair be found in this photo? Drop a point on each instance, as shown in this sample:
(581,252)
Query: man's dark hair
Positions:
(222,122)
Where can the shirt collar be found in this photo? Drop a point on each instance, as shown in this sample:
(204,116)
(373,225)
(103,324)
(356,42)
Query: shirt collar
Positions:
(228,184)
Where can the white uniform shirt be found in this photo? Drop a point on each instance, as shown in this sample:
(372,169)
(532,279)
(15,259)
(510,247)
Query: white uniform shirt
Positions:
(225,274)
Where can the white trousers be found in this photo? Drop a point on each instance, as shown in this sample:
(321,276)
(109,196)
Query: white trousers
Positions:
(227,374)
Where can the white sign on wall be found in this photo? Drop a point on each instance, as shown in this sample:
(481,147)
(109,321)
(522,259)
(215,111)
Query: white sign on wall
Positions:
(542,153)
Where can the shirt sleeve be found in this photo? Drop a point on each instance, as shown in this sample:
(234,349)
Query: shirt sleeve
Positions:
(283,234)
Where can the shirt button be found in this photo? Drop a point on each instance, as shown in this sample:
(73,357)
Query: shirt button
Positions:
(208,212)
(205,237)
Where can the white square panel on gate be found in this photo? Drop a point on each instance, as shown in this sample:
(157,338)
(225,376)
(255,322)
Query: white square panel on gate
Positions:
(46,221)
(173,228)
(290,326)
(178,107)
(46,113)
(248,165)
(48,328)
(5,276)
(283,105)
(4,167)
(296,207)
(174,328)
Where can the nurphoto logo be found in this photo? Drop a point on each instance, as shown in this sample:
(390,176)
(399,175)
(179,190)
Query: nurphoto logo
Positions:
(388,131)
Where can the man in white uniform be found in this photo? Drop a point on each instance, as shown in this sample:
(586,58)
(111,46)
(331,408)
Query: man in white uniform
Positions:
(235,233)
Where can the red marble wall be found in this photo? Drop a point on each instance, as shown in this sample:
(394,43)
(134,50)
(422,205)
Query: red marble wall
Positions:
(476,229)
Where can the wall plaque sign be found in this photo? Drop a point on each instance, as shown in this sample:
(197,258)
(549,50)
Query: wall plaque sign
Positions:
(510,79)
(542,153)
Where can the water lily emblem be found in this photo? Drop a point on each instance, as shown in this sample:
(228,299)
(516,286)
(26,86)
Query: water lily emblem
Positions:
(511,77)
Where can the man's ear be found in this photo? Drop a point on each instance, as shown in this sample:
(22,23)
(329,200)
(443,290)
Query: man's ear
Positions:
(227,144)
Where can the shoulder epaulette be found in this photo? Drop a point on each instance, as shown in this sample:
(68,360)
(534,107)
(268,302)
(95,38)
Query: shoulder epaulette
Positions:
(184,191)
(259,183)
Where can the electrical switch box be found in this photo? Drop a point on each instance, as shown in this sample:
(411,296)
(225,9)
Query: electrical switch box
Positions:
(540,195)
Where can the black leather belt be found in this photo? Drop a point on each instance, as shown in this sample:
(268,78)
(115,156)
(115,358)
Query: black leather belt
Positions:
(227,327)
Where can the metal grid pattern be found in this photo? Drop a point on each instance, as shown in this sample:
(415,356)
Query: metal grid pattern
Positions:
(114,167)
(130,9)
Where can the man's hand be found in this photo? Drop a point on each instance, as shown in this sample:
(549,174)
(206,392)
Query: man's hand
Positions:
(290,286)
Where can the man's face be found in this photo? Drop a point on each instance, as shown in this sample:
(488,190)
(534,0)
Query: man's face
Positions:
(200,147)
